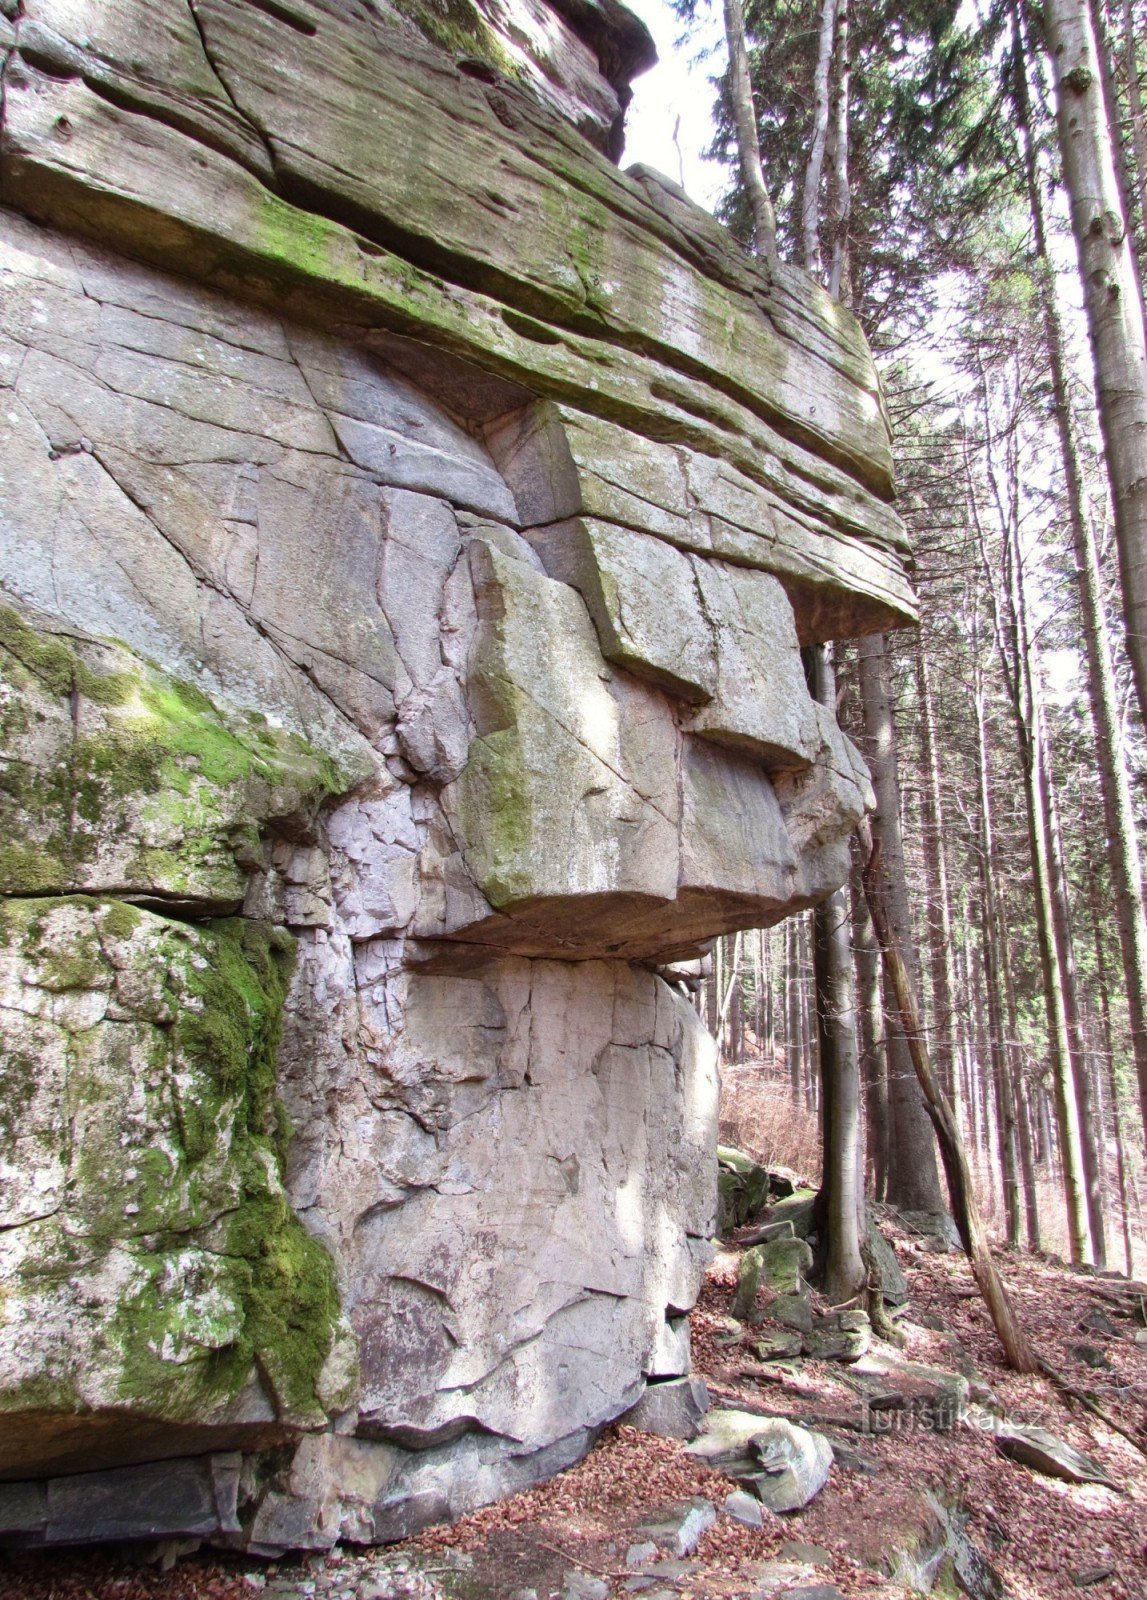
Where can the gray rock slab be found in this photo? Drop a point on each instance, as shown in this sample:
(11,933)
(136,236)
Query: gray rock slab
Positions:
(744,1508)
(673,1408)
(681,1526)
(1044,1452)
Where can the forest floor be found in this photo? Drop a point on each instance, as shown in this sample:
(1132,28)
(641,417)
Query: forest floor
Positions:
(570,1539)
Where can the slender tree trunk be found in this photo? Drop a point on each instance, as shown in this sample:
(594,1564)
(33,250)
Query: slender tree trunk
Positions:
(1135,107)
(792,1010)
(870,1012)
(1020,671)
(960,1188)
(1109,1056)
(748,139)
(1076,1043)
(1112,301)
(840,210)
(936,875)
(810,197)
(1024,1126)
(1103,697)
(990,933)
(842,1168)
(913,1176)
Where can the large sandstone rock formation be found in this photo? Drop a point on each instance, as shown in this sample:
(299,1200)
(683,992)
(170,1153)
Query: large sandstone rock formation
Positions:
(410,525)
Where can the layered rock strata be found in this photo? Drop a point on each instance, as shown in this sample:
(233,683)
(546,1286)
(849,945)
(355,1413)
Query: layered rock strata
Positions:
(410,524)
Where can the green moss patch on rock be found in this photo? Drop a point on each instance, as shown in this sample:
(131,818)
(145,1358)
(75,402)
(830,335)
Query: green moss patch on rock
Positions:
(117,777)
(150,1262)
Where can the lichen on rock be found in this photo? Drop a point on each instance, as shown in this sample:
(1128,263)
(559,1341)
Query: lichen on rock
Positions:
(153,1268)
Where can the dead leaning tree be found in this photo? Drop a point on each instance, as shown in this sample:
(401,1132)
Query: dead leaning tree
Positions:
(1019,1354)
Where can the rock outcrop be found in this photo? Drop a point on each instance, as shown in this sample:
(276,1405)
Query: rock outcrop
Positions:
(410,524)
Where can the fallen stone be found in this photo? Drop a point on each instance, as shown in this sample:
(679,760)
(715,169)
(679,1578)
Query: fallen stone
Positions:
(778,1346)
(772,1577)
(935,1229)
(638,1554)
(796,1209)
(1091,1357)
(894,1285)
(1097,1321)
(777,1265)
(745,1508)
(839,1336)
(934,1397)
(784,1465)
(1044,1452)
(584,1586)
(814,1554)
(814,1591)
(742,1189)
(792,1311)
(680,1527)
(1084,1577)
(671,1409)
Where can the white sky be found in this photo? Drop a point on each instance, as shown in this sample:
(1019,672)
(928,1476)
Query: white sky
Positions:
(678,87)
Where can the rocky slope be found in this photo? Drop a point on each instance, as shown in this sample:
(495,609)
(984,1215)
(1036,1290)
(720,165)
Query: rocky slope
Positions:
(410,524)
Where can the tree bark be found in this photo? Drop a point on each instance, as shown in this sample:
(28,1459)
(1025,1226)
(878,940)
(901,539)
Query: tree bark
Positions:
(842,1167)
(1103,697)
(1017,1350)
(1020,670)
(913,1175)
(745,128)
(814,166)
(870,1012)
(990,929)
(936,874)
(840,208)
(1112,300)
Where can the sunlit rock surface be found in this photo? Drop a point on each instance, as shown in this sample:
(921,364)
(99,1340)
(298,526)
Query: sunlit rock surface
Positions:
(410,524)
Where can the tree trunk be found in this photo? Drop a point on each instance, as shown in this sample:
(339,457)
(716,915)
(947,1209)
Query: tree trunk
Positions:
(1115,786)
(1111,299)
(936,875)
(1109,1056)
(1020,1356)
(870,1012)
(840,203)
(990,930)
(810,197)
(842,1167)
(745,128)
(1076,1043)
(1023,1118)
(913,1176)
(1018,663)
(1135,107)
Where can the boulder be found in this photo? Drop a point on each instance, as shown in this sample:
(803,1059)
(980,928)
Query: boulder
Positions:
(680,1527)
(794,1465)
(893,1283)
(673,1409)
(776,1266)
(1044,1452)
(782,1464)
(744,1508)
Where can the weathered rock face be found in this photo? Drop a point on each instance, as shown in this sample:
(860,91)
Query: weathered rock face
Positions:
(409,528)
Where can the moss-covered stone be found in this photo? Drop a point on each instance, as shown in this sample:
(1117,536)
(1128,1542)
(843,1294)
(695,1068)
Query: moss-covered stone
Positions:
(151,1262)
(119,777)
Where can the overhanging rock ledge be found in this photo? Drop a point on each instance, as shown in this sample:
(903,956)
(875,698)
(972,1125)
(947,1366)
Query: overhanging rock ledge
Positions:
(410,526)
